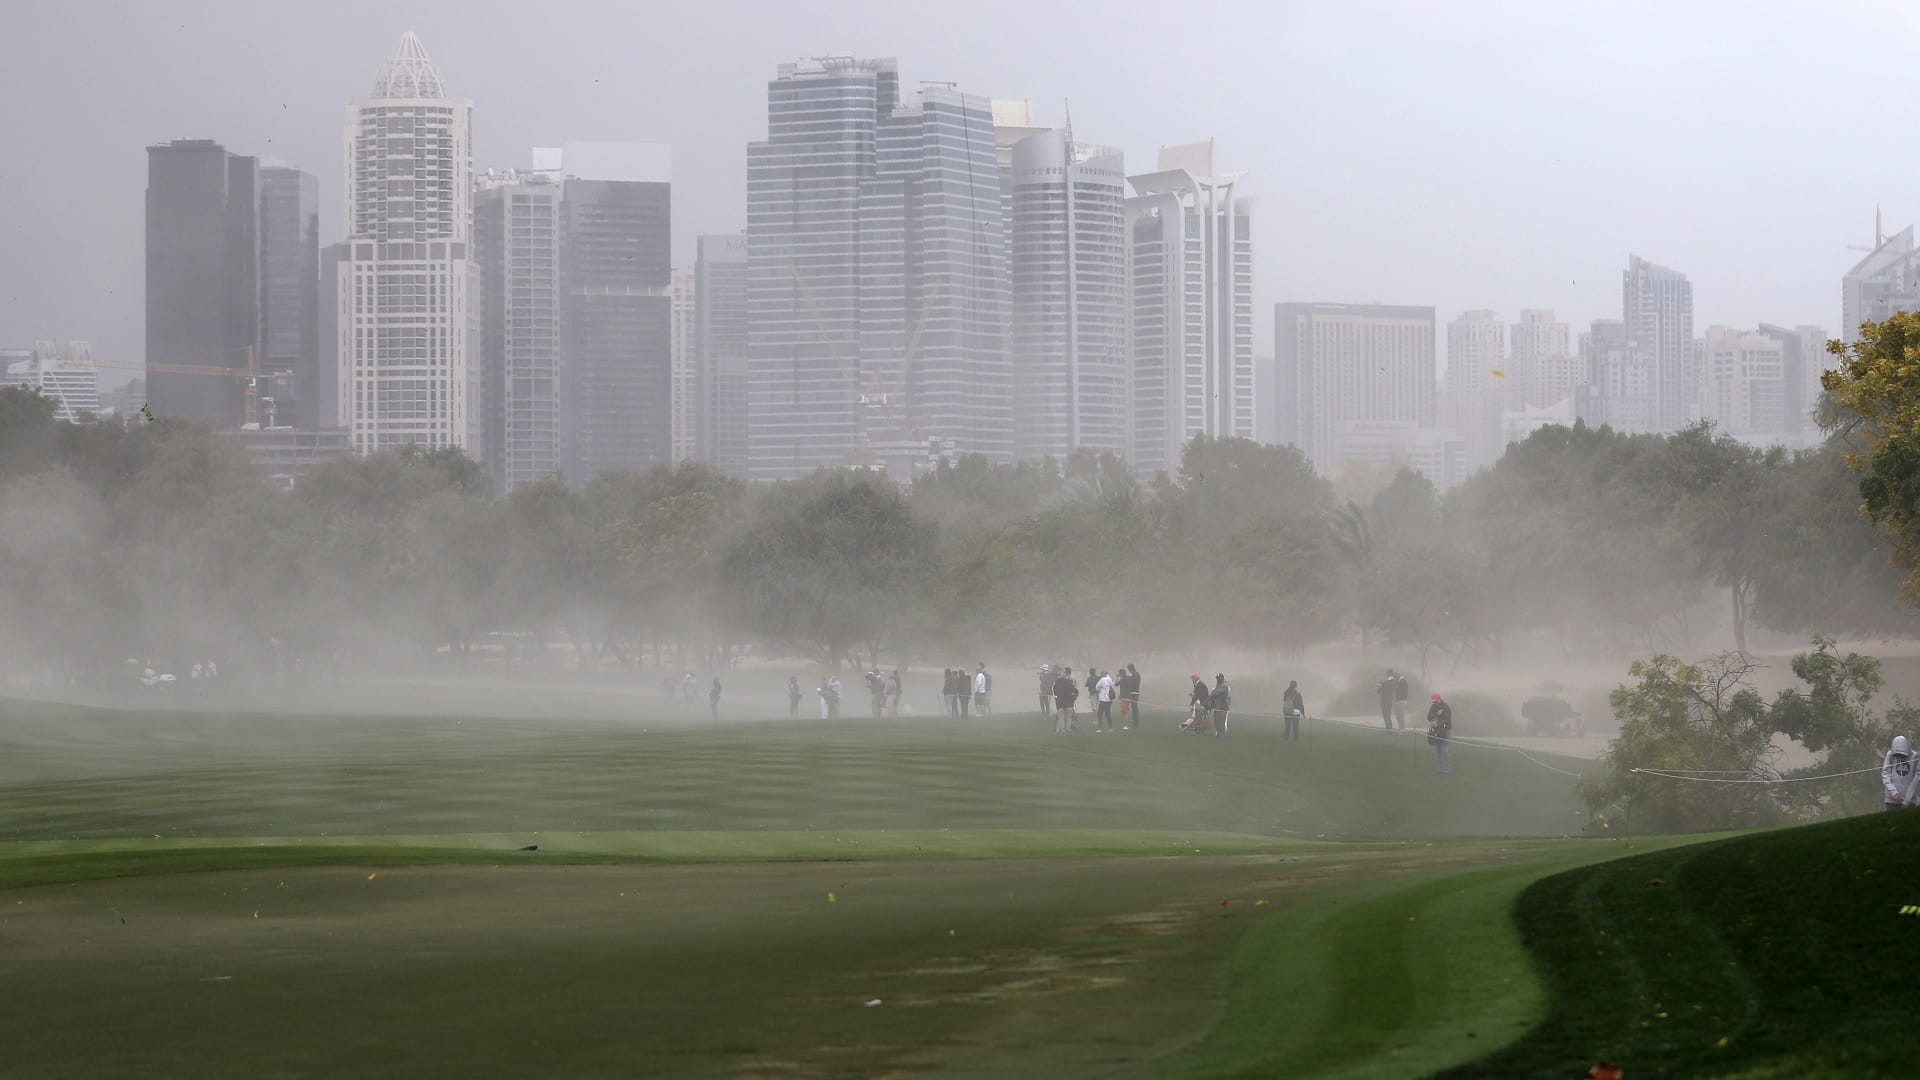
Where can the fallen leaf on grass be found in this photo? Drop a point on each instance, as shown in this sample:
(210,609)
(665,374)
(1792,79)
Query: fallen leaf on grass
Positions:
(872,1003)
(830,899)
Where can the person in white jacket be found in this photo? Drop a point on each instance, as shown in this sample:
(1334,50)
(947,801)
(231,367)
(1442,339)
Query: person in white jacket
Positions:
(1898,774)
(983,690)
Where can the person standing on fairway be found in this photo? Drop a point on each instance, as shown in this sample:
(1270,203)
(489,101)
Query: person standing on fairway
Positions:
(1389,689)
(983,690)
(1103,695)
(893,693)
(1133,695)
(1440,734)
(1898,774)
(1295,707)
(793,697)
(1220,701)
(1065,693)
(1400,700)
(713,698)
(1046,689)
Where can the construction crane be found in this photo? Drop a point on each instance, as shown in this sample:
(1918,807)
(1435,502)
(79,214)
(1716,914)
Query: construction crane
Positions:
(874,395)
(251,374)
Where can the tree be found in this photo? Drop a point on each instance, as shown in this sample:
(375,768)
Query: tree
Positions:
(1876,394)
(1693,718)
(828,564)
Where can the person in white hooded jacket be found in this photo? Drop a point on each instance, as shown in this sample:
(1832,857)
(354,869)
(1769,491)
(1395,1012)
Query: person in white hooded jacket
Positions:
(1899,773)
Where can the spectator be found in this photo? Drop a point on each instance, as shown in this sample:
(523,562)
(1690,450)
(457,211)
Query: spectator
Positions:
(713,698)
(893,693)
(1065,693)
(793,697)
(963,687)
(1389,690)
(1046,689)
(1295,707)
(1440,734)
(1133,694)
(983,690)
(950,690)
(1898,774)
(1103,695)
(1220,702)
(1400,700)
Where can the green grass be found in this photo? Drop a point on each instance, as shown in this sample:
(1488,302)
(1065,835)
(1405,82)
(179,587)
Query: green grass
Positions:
(276,893)
(1781,954)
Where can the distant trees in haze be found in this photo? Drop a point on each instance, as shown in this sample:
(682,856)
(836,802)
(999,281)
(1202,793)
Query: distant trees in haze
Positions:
(131,540)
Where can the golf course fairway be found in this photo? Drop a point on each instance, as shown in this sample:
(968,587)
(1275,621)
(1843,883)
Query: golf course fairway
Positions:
(198,893)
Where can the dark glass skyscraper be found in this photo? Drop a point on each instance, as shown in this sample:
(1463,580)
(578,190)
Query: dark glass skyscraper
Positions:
(290,295)
(203,290)
(720,343)
(616,256)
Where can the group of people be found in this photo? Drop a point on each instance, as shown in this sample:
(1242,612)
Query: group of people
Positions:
(1393,692)
(1060,697)
(963,693)
(1208,707)
(688,687)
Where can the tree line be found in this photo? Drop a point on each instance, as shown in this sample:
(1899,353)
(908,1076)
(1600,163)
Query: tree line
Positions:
(131,539)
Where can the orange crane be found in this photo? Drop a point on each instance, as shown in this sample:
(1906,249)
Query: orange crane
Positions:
(251,373)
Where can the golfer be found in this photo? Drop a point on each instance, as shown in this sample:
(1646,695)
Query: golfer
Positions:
(1295,706)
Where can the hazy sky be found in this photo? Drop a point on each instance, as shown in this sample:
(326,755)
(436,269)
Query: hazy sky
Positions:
(1484,155)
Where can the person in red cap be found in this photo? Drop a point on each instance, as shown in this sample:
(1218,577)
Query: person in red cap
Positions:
(1440,734)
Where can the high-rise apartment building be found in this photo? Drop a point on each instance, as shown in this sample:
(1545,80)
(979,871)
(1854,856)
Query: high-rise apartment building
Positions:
(1474,393)
(289,295)
(1190,235)
(1743,381)
(203,279)
(684,347)
(1348,373)
(1619,389)
(1657,307)
(720,345)
(1072,374)
(876,279)
(516,244)
(1803,352)
(1884,281)
(1542,368)
(616,273)
(62,372)
(407,322)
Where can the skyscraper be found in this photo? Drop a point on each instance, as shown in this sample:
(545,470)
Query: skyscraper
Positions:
(616,251)
(876,280)
(720,344)
(1620,382)
(203,285)
(1657,307)
(407,329)
(1743,381)
(1803,356)
(290,293)
(63,373)
(1886,280)
(687,389)
(1347,369)
(516,237)
(1542,369)
(1474,392)
(1190,235)
(1071,369)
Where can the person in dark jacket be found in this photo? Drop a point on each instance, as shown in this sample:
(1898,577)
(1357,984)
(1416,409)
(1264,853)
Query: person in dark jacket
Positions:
(1440,734)
(1220,702)
(713,698)
(963,691)
(1065,693)
(1199,719)
(1133,697)
(1295,707)
(1388,691)
(1400,689)
(793,697)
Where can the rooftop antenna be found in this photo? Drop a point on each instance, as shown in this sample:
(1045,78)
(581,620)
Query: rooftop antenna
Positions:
(1067,108)
(1879,237)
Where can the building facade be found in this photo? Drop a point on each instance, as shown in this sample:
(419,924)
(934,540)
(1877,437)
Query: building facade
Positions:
(1191,248)
(876,275)
(720,347)
(616,270)
(1620,384)
(1743,382)
(1886,280)
(62,372)
(1072,373)
(1474,391)
(684,348)
(407,324)
(203,311)
(1542,367)
(289,296)
(1657,307)
(517,249)
(1364,367)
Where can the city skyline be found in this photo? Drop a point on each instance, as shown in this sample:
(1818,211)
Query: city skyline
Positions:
(1576,225)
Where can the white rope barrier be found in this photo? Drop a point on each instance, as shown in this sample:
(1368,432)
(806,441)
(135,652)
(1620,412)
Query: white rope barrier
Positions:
(1675,775)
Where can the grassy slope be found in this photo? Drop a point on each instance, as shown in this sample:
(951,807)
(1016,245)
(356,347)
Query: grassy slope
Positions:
(1776,955)
(1085,967)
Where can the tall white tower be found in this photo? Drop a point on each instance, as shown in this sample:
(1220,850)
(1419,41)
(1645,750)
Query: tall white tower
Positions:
(406,333)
